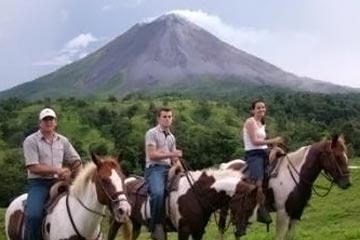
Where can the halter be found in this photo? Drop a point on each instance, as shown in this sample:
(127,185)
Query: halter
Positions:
(113,201)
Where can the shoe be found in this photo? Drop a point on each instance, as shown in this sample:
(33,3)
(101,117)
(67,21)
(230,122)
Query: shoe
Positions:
(158,233)
(263,216)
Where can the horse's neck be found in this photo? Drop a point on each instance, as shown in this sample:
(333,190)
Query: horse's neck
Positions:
(297,159)
(305,162)
(86,222)
(220,191)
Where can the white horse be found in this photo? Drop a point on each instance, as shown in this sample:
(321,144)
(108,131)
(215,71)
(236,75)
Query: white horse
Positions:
(291,188)
(190,205)
(78,213)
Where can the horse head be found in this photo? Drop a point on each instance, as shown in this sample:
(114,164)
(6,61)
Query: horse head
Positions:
(334,161)
(242,206)
(110,187)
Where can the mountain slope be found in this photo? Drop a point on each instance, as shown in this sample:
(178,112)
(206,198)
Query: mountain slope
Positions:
(169,50)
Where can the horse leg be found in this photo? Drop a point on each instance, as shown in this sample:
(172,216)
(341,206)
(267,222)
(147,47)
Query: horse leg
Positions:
(222,220)
(183,233)
(113,229)
(290,235)
(197,235)
(282,224)
(136,230)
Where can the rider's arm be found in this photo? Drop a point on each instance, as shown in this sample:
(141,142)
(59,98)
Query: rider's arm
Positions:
(251,127)
(155,154)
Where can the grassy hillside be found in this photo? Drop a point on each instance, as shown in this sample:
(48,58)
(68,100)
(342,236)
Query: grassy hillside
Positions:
(208,131)
(336,217)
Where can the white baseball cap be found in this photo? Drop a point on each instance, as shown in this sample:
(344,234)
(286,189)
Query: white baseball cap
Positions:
(47,112)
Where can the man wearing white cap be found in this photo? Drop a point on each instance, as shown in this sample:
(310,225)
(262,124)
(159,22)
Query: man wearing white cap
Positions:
(45,152)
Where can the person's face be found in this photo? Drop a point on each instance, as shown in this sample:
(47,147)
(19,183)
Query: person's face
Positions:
(48,124)
(165,119)
(259,110)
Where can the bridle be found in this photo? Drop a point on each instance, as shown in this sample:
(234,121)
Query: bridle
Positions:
(324,173)
(113,201)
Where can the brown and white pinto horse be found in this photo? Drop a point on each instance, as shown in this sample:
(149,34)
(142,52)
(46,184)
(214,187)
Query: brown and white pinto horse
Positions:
(78,213)
(292,187)
(190,206)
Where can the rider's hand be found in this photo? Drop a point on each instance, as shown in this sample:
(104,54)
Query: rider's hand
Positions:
(278,140)
(177,153)
(64,173)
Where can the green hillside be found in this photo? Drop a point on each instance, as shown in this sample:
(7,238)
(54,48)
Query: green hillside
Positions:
(208,131)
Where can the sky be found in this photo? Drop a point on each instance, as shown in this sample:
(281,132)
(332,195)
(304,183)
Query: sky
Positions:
(313,38)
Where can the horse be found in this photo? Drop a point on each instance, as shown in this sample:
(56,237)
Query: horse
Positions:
(77,213)
(291,187)
(190,204)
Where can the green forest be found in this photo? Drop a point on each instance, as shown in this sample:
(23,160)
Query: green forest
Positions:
(207,128)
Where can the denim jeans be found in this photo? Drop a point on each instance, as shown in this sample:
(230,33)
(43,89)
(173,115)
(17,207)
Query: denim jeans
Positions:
(256,159)
(156,179)
(38,193)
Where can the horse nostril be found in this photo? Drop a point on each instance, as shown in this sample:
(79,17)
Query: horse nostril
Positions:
(121,212)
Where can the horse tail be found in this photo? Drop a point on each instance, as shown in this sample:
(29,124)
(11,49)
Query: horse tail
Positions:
(127,229)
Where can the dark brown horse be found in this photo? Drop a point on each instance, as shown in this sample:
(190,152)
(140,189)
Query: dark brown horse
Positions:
(291,188)
(190,206)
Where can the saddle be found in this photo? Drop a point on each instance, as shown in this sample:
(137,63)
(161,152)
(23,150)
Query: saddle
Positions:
(58,190)
(138,193)
(276,157)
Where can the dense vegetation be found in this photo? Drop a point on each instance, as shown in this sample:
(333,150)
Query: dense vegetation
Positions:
(207,128)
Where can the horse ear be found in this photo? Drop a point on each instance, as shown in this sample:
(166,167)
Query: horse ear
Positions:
(117,157)
(334,141)
(95,158)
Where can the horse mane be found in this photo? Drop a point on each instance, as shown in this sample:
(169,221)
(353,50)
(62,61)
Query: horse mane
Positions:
(325,145)
(89,170)
(83,177)
(299,153)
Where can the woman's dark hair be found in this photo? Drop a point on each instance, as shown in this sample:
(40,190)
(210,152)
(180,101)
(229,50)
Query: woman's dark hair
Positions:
(253,105)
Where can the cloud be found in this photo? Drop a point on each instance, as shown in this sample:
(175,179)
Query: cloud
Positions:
(73,50)
(79,42)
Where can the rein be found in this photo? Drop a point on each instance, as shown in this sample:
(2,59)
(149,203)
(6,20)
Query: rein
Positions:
(190,179)
(91,210)
(197,192)
(314,187)
(73,223)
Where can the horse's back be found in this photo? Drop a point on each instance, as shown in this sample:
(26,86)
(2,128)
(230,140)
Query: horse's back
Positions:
(14,217)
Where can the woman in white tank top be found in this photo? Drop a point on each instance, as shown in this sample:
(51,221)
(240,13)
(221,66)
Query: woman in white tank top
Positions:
(255,143)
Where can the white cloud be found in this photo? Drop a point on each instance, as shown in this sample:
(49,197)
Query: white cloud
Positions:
(73,50)
(79,42)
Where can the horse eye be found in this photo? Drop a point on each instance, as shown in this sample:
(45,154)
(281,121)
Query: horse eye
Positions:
(106,180)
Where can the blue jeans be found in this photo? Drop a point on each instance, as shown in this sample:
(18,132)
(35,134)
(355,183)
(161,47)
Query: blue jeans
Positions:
(156,179)
(38,193)
(256,160)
